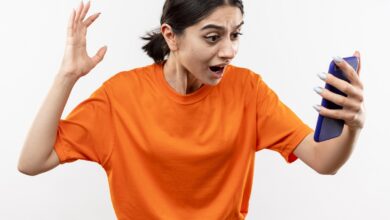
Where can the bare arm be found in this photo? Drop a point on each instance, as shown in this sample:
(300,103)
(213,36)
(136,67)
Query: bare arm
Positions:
(39,143)
(38,154)
(327,157)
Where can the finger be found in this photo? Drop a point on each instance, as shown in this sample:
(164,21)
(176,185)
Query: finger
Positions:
(85,11)
(91,19)
(99,55)
(345,102)
(355,91)
(345,87)
(70,23)
(76,20)
(357,54)
(347,69)
(330,113)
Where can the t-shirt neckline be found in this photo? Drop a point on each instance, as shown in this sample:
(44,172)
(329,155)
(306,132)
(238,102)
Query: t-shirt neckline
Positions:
(193,97)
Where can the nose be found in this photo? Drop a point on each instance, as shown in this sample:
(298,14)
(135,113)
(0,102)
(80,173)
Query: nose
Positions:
(228,50)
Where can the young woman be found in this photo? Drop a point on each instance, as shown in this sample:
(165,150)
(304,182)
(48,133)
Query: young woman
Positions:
(178,138)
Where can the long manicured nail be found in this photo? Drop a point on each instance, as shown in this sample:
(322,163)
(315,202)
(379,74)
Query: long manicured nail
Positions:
(318,89)
(337,59)
(322,75)
(317,108)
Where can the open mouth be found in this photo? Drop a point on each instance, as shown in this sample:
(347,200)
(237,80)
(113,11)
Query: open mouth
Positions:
(217,69)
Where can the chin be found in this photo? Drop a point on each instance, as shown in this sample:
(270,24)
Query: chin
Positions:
(213,82)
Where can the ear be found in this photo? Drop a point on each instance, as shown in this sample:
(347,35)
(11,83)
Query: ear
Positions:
(169,36)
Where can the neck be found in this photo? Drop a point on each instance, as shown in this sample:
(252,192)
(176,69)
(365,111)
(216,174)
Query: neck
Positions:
(182,81)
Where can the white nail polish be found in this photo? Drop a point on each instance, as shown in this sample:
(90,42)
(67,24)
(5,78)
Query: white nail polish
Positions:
(318,89)
(317,108)
(337,59)
(322,76)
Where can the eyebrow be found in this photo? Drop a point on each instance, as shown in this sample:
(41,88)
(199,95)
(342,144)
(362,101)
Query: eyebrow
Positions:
(213,26)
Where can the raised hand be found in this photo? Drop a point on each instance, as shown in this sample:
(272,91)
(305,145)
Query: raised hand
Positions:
(76,62)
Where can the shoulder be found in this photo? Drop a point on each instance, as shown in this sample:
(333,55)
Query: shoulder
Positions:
(134,74)
(133,78)
(242,76)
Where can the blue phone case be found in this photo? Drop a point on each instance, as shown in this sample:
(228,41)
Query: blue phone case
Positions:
(328,128)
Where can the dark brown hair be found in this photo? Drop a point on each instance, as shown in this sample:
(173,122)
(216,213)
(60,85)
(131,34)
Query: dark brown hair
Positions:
(180,14)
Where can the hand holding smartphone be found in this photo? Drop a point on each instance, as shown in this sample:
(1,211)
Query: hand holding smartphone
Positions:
(328,128)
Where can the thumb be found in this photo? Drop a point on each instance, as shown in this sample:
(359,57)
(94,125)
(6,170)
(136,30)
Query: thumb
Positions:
(99,55)
(357,54)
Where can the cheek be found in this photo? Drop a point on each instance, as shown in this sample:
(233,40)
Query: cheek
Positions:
(196,50)
(235,47)
(201,54)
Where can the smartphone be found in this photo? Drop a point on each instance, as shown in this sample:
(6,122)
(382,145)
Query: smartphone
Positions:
(328,128)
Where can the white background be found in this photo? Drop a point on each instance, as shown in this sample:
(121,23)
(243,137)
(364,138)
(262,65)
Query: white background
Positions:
(287,42)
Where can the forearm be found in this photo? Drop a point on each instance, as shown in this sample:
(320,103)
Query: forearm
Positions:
(332,154)
(42,134)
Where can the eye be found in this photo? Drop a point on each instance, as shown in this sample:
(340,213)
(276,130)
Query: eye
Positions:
(212,38)
(236,35)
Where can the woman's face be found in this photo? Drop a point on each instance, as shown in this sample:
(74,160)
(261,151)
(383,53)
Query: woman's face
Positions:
(211,42)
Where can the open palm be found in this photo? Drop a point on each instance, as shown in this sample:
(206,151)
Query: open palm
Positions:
(76,61)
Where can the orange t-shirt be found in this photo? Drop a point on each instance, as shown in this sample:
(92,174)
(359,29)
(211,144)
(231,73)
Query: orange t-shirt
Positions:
(171,156)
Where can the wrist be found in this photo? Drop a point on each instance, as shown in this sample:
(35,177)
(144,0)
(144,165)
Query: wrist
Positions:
(354,131)
(66,78)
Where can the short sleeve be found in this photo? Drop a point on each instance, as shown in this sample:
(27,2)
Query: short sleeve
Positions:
(278,128)
(86,133)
